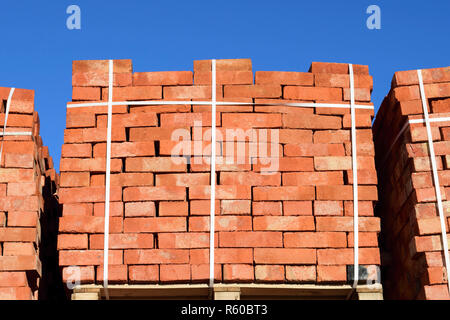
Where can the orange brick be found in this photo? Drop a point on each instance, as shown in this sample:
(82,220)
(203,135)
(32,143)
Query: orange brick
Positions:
(116,273)
(328,208)
(165,78)
(297,208)
(251,239)
(176,208)
(284,256)
(88,224)
(190,92)
(203,207)
(269,273)
(249,178)
(182,180)
(201,272)
(175,273)
(78,209)
(88,194)
(301,273)
(337,68)
(16,293)
(140,209)
(366,224)
(283,193)
(13,279)
(284,223)
(155,224)
(312,121)
(125,149)
(312,93)
(92,165)
(143,274)
(284,78)
(85,93)
(312,178)
(331,273)
(342,80)
(115,209)
(22,219)
(235,207)
(345,256)
(224,65)
(134,93)
(131,194)
(224,77)
(310,150)
(81,150)
(88,257)
(155,164)
(251,120)
(252,91)
(238,272)
(186,240)
(122,241)
(72,241)
(18,234)
(222,223)
(156,256)
(75,179)
(346,192)
(267,208)
(315,240)
(222,192)
(18,249)
(78,274)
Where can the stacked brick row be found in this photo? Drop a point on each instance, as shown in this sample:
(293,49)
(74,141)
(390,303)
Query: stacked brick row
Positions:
(414,262)
(284,209)
(28,208)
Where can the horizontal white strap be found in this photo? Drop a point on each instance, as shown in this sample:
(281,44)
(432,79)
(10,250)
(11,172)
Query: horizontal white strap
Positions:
(220,103)
(21,133)
(443,119)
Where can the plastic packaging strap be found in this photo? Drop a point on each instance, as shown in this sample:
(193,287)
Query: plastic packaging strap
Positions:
(8,103)
(435,174)
(213,174)
(107,181)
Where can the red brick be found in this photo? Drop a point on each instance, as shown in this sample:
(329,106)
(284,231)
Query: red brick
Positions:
(251,120)
(203,207)
(18,234)
(269,273)
(342,80)
(27,203)
(251,239)
(156,256)
(93,135)
(20,263)
(134,93)
(122,241)
(152,133)
(312,93)
(267,208)
(337,68)
(115,209)
(283,193)
(301,273)
(143,274)
(75,179)
(18,249)
(331,273)
(155,224)
(343,163)
(366,224)
(438,292)
(175,208)
(312,121)
(252,91)
(235,207)
(116,274)
(312,178)
(310,150)
(284,78)
(328,208)
(155,164)
(285,223)
(222,223)
(249,178)
(297,208)
(284,164)
(82,150)
(125,149)
(238,272)
(225,255)
(201,272)
(16,293)
(140,209)
(361,94)
(165,78)
(154,193)
(91,165)
(222,192)
(88,194)
(315,240)
(88,224)
(345,256)
(13,279)
(175,273)
(365,239)
(86,93)
(78,209)
(22,219)
(224,77)
(284,256)
(186,240)
(72,241)
(224,65)
(190,92)
(405,78)
(346,192)
(16,175)
(182,179)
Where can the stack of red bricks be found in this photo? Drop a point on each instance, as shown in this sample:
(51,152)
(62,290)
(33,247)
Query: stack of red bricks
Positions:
(411,225)
(284,209)
(27,200)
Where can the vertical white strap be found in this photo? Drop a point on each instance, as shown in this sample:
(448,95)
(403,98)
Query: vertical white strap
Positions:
(213,174)
(8,104)
(107,181)
(435,174)
(355,182)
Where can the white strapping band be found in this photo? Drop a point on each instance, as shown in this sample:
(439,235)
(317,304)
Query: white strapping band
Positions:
(107,182)
(355,182)
(437,185)
(213,174)
(8,104)
(219,103)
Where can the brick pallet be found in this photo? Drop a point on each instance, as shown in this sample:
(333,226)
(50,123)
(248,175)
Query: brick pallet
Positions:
(413,260)
(28,207)
(283,208)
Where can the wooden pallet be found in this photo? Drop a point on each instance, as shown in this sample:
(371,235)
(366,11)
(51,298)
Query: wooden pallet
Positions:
(229,292)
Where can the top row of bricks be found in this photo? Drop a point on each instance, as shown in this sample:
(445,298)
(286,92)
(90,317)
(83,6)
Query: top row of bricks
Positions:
(125,66)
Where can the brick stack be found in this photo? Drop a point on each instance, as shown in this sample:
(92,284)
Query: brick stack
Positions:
(28,208)
(282,215)
(414,263)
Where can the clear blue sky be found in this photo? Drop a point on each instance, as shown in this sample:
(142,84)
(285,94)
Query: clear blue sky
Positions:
(36,49)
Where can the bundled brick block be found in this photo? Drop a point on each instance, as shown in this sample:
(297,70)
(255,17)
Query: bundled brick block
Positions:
(414,266)
(28,204)
(284,201)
